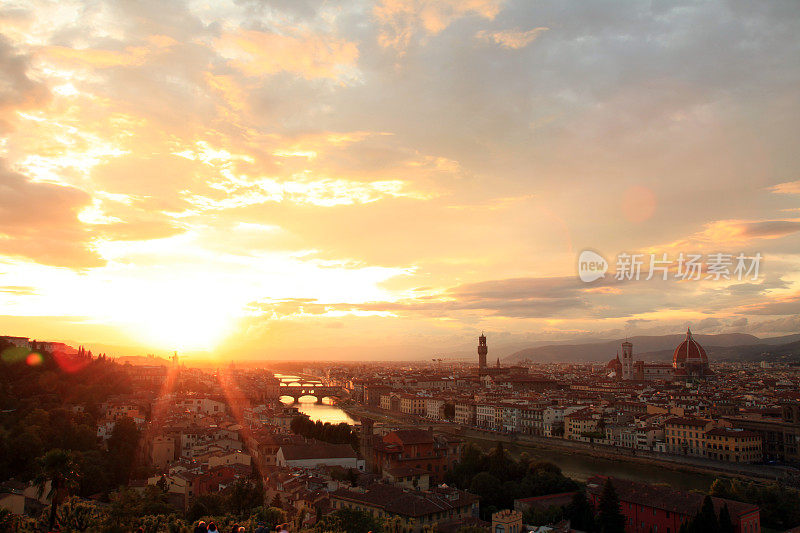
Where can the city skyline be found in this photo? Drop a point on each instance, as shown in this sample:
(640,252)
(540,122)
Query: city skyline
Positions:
(304,180)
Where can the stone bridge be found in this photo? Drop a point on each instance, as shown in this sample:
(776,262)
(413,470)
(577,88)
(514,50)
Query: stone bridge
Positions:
(318,391)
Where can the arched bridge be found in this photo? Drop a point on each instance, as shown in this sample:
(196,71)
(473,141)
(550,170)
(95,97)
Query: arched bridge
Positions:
(318,391)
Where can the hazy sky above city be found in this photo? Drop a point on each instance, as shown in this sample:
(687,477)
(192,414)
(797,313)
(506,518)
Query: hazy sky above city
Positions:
(303,178)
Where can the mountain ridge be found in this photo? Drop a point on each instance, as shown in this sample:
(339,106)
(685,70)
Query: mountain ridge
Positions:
(730,346)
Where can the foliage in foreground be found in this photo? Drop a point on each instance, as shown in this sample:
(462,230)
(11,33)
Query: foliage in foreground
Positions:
(499,480)
(342,433)
(780,505)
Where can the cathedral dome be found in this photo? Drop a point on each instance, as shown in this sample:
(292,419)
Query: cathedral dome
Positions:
(689,354)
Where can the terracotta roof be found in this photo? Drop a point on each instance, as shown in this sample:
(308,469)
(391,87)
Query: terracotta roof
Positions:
(318,450)
(730,432)
(665,498)
(559,499)
(396,500)
(413,436)
(402,471)
(689,351)
(685,421)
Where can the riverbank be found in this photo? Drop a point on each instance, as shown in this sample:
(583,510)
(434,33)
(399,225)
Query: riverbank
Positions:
(582,460)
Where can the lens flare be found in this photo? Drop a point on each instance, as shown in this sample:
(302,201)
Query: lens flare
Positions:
(13,354)
(34,359)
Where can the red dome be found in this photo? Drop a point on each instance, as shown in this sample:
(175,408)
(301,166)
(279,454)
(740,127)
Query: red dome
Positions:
(689,353)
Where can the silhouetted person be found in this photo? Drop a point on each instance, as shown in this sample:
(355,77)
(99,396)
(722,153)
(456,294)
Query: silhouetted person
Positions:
(212,528)
(201,527)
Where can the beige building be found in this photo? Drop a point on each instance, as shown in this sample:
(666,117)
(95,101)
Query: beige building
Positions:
(686,436)
(434,408)
(316,454)
(232,458)
(465,413)
(412,405)
(734,445)
(580,422)
(162,451)
(507,521)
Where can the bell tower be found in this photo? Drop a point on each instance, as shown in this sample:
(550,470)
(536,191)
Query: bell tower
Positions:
(482,351)
(627,360)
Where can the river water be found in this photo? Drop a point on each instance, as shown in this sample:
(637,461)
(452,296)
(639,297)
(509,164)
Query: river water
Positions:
(576,466)
(582,467)
(326,411)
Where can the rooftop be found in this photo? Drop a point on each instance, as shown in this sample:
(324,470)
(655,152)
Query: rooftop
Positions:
(665,498)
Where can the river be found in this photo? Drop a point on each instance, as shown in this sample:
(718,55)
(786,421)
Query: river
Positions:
(327,411)
(574,465)
(582,467)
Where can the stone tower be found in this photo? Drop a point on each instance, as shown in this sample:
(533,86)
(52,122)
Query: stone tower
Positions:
(627,360)
(482,351)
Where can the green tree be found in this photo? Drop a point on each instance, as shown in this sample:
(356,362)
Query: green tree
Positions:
(720,488)
(347,521)
(486,486)
(245,496)
(269,516)
(725,522)
(581,513)
(780,505)
(276,502)
(551,515)
(610,517)
(127,505)
(77,515)
(6,519)
(500,464)
(122,449)
(706,519)
(57,467)
(207,505)
(163,483)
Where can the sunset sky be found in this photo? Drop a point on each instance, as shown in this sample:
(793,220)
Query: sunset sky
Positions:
(311,179)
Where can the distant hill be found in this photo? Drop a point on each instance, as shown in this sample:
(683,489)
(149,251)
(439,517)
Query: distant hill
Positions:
(786,339)
(763,351)
(732,346)
(142,360)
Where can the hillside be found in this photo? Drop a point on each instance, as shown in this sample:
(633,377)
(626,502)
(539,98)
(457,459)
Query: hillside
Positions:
(730,346)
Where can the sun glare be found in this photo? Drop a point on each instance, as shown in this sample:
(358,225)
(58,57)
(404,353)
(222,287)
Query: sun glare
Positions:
(183,328)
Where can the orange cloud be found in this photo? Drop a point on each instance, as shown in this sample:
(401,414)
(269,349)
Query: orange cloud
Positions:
(789,187)
(232,94)
(513,39)
(39,221)
(17,90)
(401,19)
(100,58)
(780,304)
(258,53)
(723,232)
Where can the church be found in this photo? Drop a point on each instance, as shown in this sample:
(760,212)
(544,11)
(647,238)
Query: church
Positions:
(689,361)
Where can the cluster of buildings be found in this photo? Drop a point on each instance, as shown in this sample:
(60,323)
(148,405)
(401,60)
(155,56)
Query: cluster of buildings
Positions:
(689,361)
(204,443)
(658,508)
(735,413)
(199,443)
